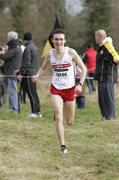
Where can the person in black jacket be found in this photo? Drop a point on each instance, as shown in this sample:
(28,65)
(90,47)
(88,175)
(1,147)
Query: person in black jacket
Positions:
(106,74)
(27,70)
(12,57)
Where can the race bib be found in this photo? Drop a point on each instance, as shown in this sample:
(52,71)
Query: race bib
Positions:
(61,76)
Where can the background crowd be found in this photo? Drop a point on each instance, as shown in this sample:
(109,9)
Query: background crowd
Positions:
(20,60)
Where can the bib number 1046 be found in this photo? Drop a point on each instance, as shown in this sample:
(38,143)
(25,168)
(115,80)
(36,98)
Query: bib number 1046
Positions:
(61,74)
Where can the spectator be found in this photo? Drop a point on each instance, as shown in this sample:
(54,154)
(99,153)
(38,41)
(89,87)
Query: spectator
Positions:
(12,56)
(106,74)
(89,58)
(28,69)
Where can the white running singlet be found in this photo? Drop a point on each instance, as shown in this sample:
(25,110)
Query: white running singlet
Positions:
(63,70)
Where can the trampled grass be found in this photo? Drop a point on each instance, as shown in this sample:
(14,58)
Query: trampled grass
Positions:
(29,149)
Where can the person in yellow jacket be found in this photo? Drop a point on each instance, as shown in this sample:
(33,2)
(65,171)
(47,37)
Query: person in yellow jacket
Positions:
(106,74)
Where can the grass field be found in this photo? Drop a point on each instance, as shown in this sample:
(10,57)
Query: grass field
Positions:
(29,149)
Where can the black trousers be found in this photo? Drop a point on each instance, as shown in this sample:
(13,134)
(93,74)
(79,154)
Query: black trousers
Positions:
(23,93)
(30,88)
(106,99)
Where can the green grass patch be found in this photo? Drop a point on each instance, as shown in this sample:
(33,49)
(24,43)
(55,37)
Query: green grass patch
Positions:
(29,148)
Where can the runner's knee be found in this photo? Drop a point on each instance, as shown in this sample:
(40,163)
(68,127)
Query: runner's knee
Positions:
(58,117)
(69,123)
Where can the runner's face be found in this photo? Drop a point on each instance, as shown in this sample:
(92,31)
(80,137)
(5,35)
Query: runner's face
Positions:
(58,41)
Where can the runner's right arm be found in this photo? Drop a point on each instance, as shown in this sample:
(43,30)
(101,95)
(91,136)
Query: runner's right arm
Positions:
(42,69)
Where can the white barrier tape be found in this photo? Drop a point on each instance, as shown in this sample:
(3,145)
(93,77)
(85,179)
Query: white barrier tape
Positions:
(43,77)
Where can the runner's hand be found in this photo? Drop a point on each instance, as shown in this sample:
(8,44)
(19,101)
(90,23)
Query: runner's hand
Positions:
(78,89)
(35,77)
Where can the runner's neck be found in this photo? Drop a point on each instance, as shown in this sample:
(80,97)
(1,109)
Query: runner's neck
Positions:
(59,53)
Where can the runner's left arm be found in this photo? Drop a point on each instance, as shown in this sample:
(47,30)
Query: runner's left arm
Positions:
(78,61)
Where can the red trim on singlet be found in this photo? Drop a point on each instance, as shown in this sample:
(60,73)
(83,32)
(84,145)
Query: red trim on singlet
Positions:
(54,66)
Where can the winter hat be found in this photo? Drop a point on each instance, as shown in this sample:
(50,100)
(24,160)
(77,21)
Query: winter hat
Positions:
(28,36)
(12,35)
